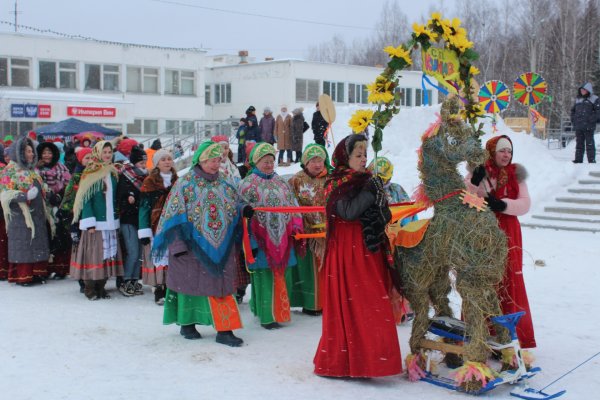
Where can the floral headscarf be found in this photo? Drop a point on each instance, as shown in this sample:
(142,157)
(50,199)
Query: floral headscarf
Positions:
(206,151)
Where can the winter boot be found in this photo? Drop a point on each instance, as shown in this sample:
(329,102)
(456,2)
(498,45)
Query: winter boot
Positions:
(229,339)
(190,332)
(127,289)
(312,313)
(159,295)
(271,326)
(100,290)
(239,296)
(138,288)
(89,290)
(81,286)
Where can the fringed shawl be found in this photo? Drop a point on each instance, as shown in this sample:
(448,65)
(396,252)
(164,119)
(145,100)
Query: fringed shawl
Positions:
(201,210)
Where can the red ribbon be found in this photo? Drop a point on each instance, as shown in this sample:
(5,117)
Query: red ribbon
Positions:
(246,243)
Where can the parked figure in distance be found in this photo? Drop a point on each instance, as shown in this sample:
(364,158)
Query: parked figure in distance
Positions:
(283,136)
(253,132)
(319,126)
(585,113)
(267,126)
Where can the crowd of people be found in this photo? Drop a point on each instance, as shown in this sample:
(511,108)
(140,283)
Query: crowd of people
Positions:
(200,239)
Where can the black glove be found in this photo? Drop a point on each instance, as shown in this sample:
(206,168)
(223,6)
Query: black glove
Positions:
(374,184)
(54,199)
(181,253)
(75,237)
(248,212)
(478,175)
(145,241)
(495,204)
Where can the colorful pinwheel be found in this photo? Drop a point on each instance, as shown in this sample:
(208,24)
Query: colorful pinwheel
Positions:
(494,96)
(530,88)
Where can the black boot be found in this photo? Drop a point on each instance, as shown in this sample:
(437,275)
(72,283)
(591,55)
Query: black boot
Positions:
(81,286)
(190,332)
(159,294)
(312,313)
(271,326)
(229,339)
(239,296)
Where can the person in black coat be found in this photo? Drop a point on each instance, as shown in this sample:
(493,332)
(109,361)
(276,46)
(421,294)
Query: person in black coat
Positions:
(585,113)
(128,198)
(253,131)
(319,126)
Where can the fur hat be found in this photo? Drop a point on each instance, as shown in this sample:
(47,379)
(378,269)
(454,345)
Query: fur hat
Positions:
(125,146)
(156,145)
(137,155)
(158,155)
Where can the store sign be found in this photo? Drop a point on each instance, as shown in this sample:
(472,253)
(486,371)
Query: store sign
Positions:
(103,112)
(30,110)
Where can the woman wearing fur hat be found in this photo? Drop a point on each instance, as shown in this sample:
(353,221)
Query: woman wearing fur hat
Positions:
(502,183)
(359,337)
(155,189)
(283,132)
(23,194)
(130,183)
(56,176)
(309,188)
(198,226)
(98,255)
(271,237)
(299,126)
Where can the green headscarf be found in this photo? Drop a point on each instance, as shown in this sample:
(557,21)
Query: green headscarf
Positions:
(315,150)
(206,151)
(259,151)
(385,168)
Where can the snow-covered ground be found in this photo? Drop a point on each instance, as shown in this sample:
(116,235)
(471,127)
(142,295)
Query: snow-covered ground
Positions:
(55,344)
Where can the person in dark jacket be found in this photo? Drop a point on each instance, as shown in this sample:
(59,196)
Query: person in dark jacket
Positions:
(253,132)
(319,126)
(128,197)
(241,137)
(299,126)
(585,113)
(267,126)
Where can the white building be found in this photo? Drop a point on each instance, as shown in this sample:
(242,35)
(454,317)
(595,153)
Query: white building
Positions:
(231,89)
(132,88)
(153,90)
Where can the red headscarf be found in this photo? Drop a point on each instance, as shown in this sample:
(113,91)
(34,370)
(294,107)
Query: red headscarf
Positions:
(507,185)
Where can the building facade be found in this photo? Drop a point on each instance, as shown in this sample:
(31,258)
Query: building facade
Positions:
(151,91)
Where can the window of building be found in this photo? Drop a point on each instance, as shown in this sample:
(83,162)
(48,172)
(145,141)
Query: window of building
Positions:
(405,97)
(179,82)
(357,93)
(101,77)
(150,127)
(222,93)
(207,95)
(142,80)
(19,72)
(420,98)
(335,90)
(172,127)
(63,73)
(188,83)
(187,127)
(307,90)
(171,82)
(3,71)
(135,128)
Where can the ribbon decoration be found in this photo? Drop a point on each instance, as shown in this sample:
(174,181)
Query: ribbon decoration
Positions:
(246,243)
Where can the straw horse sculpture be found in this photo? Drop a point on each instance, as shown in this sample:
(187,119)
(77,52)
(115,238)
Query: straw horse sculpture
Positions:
(458,240)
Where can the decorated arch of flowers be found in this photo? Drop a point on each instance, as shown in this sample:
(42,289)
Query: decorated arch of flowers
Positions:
(383,92)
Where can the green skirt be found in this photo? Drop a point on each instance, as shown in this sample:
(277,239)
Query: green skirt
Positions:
(183,309)
(269,299)
(303,284)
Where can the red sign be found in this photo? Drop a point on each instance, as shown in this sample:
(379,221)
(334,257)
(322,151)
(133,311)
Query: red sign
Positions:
(44,111)
(103,112)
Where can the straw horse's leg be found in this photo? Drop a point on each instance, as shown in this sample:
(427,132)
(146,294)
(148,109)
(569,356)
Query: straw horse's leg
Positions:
(475,316)
(440,290)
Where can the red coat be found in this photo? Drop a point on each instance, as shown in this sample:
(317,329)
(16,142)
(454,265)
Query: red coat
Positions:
(359,337)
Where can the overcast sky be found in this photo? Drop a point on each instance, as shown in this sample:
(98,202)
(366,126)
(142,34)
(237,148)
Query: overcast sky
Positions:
(224,26)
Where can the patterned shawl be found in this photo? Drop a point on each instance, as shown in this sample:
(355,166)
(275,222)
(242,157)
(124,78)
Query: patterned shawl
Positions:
(202,210)
(92,178)
(273,231)
(56,177)
(154,191)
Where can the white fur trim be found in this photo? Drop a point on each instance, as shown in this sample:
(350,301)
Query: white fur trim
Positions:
(87,223)
(144,233)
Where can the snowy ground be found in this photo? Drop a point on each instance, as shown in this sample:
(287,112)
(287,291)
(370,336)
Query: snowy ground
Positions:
(55,344)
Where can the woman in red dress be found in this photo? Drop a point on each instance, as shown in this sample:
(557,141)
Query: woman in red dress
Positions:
(503,184)
(359,337)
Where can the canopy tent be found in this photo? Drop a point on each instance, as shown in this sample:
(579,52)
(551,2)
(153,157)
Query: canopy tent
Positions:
(73,126)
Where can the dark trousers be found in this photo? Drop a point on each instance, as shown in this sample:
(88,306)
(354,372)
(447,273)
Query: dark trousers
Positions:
(584,141)
(289,155)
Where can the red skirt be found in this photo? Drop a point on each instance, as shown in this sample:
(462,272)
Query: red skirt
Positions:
(359,337)
(24,272)
(512,293)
